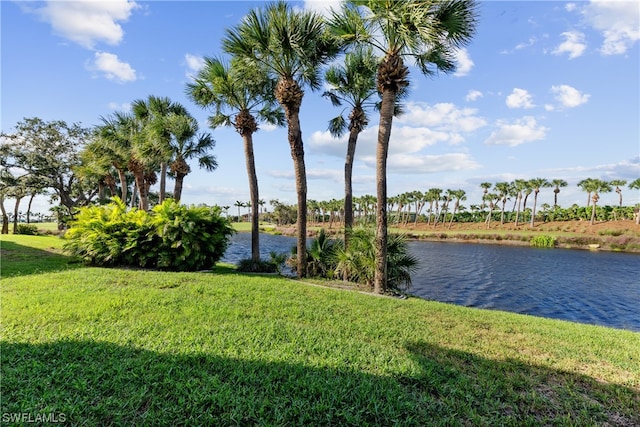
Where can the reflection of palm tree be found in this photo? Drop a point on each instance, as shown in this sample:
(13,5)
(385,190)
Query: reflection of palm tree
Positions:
(237,100)
(291,46)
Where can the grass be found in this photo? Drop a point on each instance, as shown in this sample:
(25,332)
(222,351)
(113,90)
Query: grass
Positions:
(132,347)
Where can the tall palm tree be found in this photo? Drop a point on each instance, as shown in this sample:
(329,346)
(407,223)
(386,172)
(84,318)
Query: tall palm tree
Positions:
(519,185)
(458,195)
(635,185)
(619,183)
(430,32)
(503,189)
(236,101)
(188,144)
(353,83)
(291,46)
(587,185)
(113,142)
(536,184)
(596,186)
(557,183)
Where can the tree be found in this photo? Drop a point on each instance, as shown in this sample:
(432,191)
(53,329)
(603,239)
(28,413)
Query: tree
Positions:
(557,183)
(459,195)
(519,185)
(188,144)
(619,183)
(595,186)
(536,184)
(503,189)
(353,83)
(49,153)
(237,101)
(635,185)
(430,33)
(155,114)
(588,185)
(290,45)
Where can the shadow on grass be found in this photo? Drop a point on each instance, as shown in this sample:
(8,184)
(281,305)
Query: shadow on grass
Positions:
(20,260)
(94,383)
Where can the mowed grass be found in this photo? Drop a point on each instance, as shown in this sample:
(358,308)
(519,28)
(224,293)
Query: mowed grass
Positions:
(130,347)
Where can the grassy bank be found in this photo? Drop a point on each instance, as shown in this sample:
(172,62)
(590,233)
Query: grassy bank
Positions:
(114,347)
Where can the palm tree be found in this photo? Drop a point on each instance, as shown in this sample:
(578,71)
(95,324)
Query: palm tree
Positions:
(503,189)
(113,142)
(588,185)
(237,101)
(619,183)
(536,184)
(290,46)
(430,32)
(188,144)
(557,183)
(596,186)
(154,115)
(635,185)
(239,204)
(353,83)
(485,190)
(459,196)
(519,185)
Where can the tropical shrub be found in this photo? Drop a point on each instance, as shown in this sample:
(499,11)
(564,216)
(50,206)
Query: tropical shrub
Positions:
(170,237)
(28,229)
(543,241)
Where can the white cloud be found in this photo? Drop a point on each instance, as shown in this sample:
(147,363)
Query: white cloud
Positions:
(119,107)
(568,96)
(194,64)
(465,64)
(516,133)
(113,68)
(421,164)
(473,95)
(323,7)
(519,98)
(573,44)
(570,7)
(618,21)
(88,22)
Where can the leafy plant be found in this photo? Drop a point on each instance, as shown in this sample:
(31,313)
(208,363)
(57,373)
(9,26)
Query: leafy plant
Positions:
(170,237)
(543,241)
(27,229)
(248,265)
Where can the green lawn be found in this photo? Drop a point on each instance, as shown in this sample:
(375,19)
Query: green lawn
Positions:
(130,347)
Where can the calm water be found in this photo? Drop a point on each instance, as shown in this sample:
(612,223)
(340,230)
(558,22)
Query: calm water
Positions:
(601,288)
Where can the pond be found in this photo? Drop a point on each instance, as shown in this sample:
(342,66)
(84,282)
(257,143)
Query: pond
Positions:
(594,287)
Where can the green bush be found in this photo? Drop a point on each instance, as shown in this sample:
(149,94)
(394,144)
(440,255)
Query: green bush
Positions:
(248,265)
(28,229)
(543,241)
(170,237)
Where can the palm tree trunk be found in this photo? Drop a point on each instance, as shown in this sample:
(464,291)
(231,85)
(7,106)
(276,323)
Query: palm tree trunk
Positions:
(124,187)
(163,181)
(348,187)
(297,154)
(253,190)
(177,189)
(5,218)
(533,213)
(382,151)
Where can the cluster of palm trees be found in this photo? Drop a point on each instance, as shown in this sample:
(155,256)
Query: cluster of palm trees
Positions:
(157,137)
(278,51)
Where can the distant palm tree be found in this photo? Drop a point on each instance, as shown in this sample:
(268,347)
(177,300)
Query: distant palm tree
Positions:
(557,183)
(503,189)
(290,45)
(596,186)
(619,183)
(635,185)
(588,185)
(536,184)
(459,195)
(237,99)
(519,185)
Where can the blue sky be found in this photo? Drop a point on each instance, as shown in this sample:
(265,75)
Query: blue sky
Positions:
(546,89)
